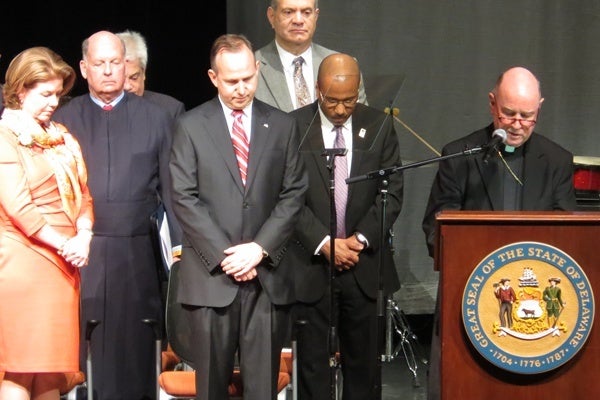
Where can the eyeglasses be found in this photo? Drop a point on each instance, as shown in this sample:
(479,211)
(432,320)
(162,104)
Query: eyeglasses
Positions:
(332,103)
(524,122)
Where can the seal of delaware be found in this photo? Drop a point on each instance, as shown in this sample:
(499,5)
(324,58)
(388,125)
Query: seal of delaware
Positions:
(528,307)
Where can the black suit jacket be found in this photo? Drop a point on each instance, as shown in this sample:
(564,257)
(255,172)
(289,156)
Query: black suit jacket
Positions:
(216,211)
(467,183)
(173,106)
(375,148)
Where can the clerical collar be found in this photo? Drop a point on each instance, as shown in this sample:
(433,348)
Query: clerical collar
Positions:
(512,152)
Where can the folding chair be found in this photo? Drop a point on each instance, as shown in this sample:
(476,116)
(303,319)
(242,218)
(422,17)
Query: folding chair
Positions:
(177,378)
(177,383)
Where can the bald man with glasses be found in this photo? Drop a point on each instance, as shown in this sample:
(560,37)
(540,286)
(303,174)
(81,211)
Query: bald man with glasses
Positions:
(526,172)
(372,144)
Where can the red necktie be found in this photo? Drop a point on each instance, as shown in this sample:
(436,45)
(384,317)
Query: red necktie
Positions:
(107,107)
(241,147)
(341,187)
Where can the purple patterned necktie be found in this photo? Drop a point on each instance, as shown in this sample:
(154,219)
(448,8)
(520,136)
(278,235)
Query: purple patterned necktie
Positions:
(341,187)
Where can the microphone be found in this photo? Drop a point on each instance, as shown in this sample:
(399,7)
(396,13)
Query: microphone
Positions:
(498,136)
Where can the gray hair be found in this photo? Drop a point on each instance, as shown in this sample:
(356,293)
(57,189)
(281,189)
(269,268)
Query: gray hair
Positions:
(135,47)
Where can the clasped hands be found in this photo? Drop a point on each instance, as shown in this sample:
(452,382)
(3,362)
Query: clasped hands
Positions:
(241,261)
(346,252)
(76,250)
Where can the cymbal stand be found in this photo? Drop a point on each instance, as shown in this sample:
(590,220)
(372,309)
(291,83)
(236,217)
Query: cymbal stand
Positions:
(408,343)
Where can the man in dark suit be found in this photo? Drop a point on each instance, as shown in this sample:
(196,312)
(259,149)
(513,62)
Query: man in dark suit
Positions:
(238,188)
(529,172)
(294,23)
(372,144)
(136,63)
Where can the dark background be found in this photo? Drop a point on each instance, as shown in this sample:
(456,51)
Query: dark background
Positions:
(178,40)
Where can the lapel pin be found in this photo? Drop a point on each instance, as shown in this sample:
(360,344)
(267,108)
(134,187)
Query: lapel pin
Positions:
(362,133)
(266,125)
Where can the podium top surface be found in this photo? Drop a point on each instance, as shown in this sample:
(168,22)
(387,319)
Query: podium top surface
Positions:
(491,217)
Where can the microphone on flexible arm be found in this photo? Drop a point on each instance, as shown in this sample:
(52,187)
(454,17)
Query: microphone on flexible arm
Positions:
(498,136)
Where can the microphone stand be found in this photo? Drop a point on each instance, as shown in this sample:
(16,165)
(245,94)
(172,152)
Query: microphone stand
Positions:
(380,307)
(383,173)
(332,336)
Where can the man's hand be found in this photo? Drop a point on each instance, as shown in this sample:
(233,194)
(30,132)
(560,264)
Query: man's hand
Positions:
(346,252)
(241,261)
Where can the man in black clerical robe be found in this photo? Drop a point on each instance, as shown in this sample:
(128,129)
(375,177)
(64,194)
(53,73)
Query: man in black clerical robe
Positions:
(126,142)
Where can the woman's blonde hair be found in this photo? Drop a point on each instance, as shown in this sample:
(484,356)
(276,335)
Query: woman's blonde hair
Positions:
(33,65)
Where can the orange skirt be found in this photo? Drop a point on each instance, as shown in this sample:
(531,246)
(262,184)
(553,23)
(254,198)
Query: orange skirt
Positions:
(39,310)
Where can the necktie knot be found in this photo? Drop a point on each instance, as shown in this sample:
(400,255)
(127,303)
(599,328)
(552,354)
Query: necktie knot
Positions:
(340,142)
(107,107)
(298,61)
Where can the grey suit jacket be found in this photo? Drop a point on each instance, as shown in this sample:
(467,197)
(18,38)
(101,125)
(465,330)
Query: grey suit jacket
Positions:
(216,211)
(467,183)
(272,87)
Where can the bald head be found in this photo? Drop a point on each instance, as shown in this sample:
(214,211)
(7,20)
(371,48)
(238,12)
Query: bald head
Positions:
(337,86)
(102,39)
(519,81)
(339,68)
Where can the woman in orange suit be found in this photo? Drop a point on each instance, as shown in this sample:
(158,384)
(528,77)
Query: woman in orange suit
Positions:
(46,220)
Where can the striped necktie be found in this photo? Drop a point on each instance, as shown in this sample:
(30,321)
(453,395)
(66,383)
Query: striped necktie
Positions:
(241,146)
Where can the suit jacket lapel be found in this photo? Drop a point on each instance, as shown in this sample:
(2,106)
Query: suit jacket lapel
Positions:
(534,169)
(219,132)
(274,77)
(492,181)
(490,176)
(318,56)
(258,139)
(312,144)
(362,140)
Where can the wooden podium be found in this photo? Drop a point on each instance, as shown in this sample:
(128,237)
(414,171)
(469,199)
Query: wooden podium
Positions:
(464,239)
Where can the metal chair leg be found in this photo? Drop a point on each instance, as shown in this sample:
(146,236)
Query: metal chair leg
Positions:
(152,323)
(90,326)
